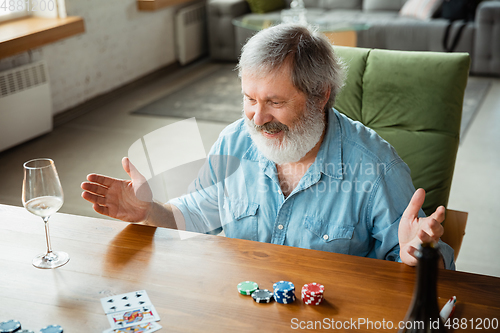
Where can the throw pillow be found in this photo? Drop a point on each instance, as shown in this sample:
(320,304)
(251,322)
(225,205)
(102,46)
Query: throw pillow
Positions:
(264,6)
(421,9)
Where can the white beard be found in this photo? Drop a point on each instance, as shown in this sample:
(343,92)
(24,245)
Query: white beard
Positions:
(297,141)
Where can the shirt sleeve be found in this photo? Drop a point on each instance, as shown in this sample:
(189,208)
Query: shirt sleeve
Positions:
(200,207)
(391,194)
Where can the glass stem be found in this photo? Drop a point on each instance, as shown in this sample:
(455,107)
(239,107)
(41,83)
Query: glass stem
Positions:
(47,235)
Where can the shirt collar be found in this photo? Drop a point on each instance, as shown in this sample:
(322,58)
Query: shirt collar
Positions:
(329,158)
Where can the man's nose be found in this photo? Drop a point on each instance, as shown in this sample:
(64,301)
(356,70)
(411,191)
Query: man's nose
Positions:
(261,115)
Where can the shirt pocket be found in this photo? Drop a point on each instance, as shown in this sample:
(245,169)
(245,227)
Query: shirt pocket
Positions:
(242,219)
(329,236)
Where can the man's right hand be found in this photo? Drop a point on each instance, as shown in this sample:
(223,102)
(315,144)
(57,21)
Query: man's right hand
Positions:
(127,200)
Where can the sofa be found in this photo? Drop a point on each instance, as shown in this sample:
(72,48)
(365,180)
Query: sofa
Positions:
(387,29)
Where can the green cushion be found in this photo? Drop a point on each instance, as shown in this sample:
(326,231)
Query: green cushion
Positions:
(414,101)
(264,6)
(349,99)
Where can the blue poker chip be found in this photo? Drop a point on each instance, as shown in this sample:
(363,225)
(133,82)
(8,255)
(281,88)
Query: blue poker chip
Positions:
(52,329)
(284,300)
(10,326)
(284,294)
(283,286)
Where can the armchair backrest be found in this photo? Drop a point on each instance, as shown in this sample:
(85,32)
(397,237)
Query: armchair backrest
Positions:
(414,101)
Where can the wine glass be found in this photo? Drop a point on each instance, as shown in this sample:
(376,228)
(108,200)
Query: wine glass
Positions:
(43,196)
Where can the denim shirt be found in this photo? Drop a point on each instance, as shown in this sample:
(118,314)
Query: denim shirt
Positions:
(349,201)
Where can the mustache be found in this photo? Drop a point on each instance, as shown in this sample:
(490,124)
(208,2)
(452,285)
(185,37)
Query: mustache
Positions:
(270,126)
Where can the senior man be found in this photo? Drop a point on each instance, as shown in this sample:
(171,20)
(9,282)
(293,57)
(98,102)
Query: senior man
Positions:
(308,176)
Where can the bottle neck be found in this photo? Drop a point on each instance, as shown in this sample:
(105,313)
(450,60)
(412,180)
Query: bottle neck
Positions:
(426,282)
(425,292)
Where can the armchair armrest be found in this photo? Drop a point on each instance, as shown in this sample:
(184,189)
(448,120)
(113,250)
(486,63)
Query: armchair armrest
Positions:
(221,38)
(454,229)
(487,39)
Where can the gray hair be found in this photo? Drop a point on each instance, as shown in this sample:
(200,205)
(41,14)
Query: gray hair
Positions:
(315,68)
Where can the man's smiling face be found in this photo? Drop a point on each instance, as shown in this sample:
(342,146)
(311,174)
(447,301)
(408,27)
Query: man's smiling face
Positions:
(272,98)
(280,123)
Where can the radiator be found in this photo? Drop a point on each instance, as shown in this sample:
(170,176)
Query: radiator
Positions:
(25,104)
(191,33)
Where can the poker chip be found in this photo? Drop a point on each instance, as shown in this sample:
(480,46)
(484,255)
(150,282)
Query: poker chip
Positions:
(262,296)
(10,326)
(284,292)
(247,287)
(313,289)
(284,299)
(284,286)
(52,329)
(25,331)
(312,293)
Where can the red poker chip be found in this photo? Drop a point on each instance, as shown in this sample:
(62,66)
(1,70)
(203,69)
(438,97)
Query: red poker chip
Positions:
(312,293)
(312,302)
(313,289)
(308,295)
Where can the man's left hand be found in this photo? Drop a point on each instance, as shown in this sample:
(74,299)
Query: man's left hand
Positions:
(414,230)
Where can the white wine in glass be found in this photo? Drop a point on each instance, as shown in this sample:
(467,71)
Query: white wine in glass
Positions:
(43,196)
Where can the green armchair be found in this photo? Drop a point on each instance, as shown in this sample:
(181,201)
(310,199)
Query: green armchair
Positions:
(414,101)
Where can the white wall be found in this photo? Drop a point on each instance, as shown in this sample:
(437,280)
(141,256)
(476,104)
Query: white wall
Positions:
(120,44)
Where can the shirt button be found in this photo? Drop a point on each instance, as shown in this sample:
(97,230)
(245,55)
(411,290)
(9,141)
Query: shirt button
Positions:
(325,237)
(280,227)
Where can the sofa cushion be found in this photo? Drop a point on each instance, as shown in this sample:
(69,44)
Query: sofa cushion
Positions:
(349,99)
(340,4)
(396,5)
(360,17)
(414,35)
(264,6)
(421,9)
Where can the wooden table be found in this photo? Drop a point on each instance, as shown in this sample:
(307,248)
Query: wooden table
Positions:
(192,282)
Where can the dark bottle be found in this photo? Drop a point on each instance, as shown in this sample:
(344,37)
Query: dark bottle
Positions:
(423,313)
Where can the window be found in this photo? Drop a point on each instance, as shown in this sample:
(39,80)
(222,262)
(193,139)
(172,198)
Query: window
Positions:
(11,9)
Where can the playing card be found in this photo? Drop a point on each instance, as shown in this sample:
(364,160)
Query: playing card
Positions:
(141,328)
(125,301)
(133,317)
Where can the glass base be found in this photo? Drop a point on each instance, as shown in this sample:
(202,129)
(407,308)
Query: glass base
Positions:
(50,260)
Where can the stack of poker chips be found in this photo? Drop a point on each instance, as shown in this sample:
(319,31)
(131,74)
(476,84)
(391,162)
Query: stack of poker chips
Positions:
(284,292)
(312,293)
(251,288)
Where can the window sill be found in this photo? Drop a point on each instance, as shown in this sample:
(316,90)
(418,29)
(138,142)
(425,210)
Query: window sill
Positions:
(28,33)
(152,5)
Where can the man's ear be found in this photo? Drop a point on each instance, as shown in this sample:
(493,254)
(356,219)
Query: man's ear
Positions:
(326,98)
